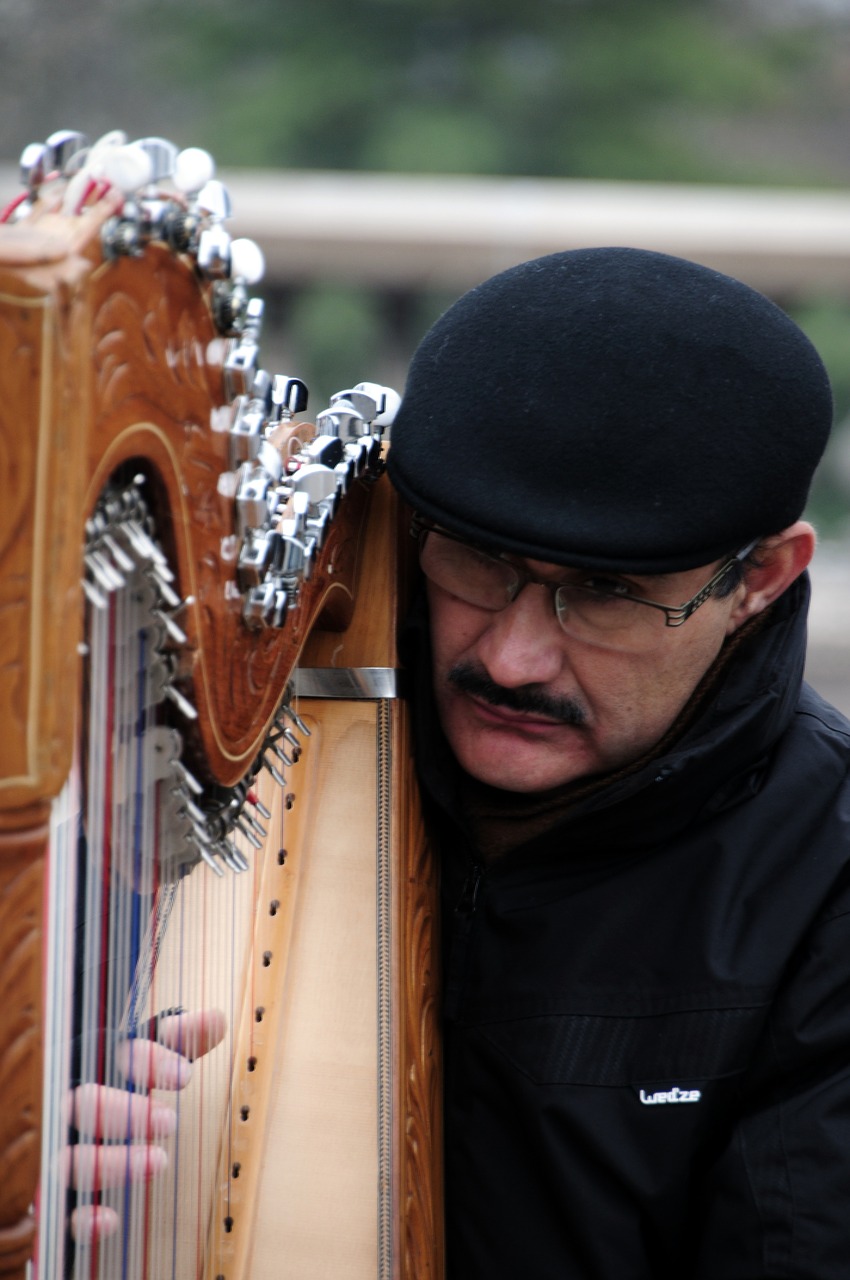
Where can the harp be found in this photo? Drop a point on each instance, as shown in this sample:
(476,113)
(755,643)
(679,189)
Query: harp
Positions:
(167,513)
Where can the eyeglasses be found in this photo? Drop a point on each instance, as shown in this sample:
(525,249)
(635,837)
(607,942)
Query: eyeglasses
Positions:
(597,607)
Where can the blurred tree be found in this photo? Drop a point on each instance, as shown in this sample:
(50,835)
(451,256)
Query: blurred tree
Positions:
(591,88)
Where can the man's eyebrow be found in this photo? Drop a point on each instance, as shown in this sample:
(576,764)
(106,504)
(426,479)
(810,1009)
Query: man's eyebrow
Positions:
(628,573)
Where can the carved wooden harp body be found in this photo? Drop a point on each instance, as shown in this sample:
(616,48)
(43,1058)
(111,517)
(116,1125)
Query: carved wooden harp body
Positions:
(198,685)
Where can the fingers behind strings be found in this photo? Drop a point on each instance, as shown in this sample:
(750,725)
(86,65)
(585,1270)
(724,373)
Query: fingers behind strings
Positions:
(192,1034)
(93,1167)
(104,1113)
(146,1065)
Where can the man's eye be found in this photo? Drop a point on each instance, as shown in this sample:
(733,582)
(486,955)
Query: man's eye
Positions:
(607,586)
(474,561)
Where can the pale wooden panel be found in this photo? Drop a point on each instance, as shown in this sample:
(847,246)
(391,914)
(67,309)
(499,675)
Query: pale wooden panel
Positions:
(318,1204)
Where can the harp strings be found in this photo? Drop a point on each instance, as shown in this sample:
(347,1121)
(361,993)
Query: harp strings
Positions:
(137,924)
(120,878)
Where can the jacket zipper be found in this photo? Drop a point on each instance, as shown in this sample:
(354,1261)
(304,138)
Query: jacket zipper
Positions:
(464,914)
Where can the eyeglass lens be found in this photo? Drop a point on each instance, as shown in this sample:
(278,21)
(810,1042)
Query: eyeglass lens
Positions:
(487,582)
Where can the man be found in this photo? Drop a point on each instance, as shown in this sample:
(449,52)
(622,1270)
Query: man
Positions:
(643,814)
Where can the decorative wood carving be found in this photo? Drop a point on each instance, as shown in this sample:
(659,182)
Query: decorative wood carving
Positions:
(21,865)
(420,1065)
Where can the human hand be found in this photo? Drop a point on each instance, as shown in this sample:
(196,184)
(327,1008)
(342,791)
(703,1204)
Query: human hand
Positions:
(119,1130)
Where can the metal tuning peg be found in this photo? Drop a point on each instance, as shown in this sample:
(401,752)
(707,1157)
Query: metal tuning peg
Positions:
(214,206)
(342,419)
(350,416)
(129,169)
(34,166)
(289,396)
(358,401)
(194,168)
(246,434)
(387,401)
(247,263)
(65,151)
(239,265)
(294,548)
(287,712)
(253,498)
(240,365)
(61,156)
(162,156)
(255,558)
(213,201)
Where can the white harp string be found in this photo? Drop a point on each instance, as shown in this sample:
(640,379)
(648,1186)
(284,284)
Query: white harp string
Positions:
(134,929)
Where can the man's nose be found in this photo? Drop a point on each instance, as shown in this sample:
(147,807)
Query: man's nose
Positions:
(524,643)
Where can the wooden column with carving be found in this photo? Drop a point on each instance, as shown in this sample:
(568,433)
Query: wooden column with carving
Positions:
(42,420)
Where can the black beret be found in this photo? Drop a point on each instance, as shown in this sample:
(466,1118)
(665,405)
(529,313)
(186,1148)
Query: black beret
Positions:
(614,408)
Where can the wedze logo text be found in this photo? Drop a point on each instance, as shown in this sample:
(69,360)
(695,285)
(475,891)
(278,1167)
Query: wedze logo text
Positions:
(669,1095)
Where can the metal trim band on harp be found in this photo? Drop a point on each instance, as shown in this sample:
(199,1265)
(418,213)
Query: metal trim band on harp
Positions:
(346,682)
(223,542)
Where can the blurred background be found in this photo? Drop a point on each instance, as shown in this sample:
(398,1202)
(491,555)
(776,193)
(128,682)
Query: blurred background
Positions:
(387,154)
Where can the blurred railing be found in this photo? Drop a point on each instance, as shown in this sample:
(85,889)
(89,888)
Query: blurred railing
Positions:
(393,230)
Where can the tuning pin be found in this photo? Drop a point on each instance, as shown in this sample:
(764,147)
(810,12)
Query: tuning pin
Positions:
(100,151)
(177,634)
(214,200)
(248,833)
(262,809)
(234,858)
(64,150)
(208,858)
(129,168)
(34,164)
(189,778)
(289,396)
(252,822)
(246,261)
(124,563)
(162,155)
(287,710)
(285,759)
(183,704)
(193,169)
(214,246)
(104,573)
(274,771)
(94,596)
(387,400)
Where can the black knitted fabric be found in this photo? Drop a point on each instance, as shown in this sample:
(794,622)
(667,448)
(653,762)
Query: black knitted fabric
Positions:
(612,408)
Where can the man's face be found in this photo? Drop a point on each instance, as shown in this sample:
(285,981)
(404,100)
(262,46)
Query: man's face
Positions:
(526,707)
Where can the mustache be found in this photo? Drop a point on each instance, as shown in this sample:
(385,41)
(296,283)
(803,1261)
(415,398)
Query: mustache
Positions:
(527,699)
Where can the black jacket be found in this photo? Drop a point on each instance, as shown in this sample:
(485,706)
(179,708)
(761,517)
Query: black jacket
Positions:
(648,1008)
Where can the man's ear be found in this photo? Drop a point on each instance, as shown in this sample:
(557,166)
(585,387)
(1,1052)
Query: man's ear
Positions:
(780,559)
